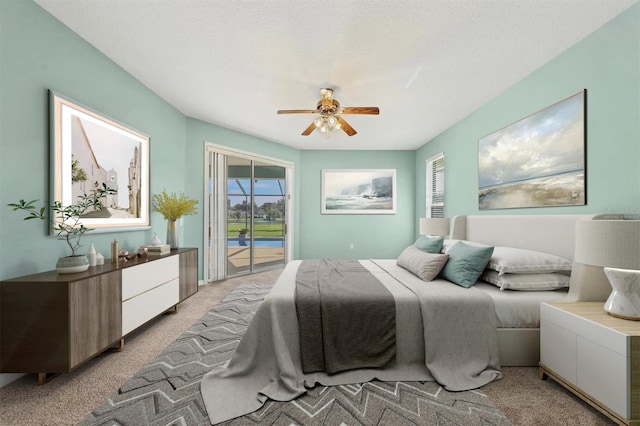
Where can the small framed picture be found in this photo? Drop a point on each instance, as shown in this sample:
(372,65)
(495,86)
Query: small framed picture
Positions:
(358,191)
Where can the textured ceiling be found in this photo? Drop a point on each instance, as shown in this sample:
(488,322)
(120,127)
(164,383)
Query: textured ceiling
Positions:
(427,63)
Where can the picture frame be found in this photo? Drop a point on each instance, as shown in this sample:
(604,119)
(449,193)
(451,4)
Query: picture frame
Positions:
(89,149)
(358,191)
(537,161)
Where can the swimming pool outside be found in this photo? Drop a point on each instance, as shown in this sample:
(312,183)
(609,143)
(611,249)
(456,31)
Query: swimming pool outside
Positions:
(257,242)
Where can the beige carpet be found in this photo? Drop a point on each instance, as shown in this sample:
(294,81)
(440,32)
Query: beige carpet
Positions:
(67,399)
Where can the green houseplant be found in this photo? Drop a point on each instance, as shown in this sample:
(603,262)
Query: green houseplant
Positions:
(172,207)
(65,223)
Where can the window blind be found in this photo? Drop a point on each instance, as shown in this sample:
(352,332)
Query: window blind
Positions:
(435,186)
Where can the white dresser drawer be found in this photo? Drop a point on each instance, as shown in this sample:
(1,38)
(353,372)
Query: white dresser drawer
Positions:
(142,278)
(140,309)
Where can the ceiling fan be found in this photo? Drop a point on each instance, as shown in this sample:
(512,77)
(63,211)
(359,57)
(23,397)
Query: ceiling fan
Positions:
(330,119)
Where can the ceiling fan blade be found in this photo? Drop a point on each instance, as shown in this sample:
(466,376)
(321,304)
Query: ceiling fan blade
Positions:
(297,111)
(361,110)
(345,126)
(309,129)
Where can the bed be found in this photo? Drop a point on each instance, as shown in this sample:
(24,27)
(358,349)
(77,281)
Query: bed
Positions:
(267,363)
(519,343)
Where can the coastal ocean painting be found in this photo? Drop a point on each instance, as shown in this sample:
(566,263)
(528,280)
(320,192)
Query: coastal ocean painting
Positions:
(358,191)
(537,161)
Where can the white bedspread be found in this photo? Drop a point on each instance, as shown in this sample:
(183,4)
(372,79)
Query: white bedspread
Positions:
(267,363)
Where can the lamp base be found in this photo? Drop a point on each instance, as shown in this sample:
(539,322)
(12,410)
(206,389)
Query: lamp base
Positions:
(624,317)
(624,301)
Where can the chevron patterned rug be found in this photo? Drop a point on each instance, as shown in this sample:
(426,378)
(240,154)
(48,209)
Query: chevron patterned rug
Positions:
(167,391)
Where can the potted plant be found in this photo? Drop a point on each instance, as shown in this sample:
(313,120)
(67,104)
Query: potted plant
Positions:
(65,222)
(173,207)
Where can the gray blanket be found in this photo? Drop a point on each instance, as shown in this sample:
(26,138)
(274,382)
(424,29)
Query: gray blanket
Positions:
(266,364)
(346,317)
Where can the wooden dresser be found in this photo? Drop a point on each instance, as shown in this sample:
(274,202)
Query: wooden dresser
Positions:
(51,323)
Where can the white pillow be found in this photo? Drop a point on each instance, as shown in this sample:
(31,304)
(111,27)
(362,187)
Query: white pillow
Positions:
(447,244)
(425,265)
(527,282)
(519,261)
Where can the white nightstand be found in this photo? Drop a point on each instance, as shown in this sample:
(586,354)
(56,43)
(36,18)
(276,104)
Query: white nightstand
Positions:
(594,355)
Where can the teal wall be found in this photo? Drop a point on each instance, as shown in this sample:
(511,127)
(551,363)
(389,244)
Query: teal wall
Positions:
(39,53)
(607,64)
(373,236)
(50,56)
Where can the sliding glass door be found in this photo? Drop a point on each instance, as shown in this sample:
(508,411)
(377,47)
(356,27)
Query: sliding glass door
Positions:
(247,215)
(256,215)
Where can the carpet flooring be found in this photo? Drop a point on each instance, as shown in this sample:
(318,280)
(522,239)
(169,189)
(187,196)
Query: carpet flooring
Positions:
(167,390)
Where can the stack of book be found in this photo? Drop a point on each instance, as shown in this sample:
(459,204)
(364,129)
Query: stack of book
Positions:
(158,248)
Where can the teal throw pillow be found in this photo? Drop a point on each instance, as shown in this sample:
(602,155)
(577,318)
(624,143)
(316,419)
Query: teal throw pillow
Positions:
(430,245)
(466,264)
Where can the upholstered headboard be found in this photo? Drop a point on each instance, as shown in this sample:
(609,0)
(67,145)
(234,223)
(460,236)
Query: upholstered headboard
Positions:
(553,234)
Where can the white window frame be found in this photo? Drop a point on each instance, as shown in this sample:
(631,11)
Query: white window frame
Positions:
(435,186)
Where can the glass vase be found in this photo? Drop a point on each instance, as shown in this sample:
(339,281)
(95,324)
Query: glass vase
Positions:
(172,233)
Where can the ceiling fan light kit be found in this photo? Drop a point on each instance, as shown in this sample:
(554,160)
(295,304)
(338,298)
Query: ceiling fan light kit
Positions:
(327,124)
(330,119)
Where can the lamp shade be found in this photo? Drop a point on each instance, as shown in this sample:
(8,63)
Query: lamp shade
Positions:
(612,243)
(434,226)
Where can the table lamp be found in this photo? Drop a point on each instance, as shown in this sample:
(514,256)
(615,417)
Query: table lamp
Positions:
(436,226)
(607,257)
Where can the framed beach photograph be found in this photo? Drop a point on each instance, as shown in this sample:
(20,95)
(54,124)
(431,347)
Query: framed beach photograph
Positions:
(538,161)
(89,150)
(358,191)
